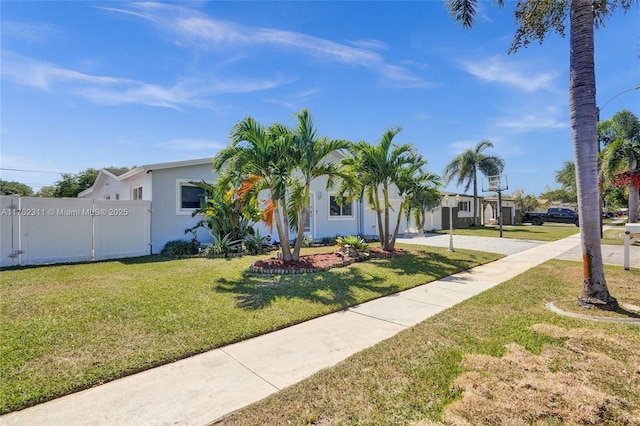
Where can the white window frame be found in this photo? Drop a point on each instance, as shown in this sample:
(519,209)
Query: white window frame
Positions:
(466,204)
(179,210)
(341,217)
(134,192)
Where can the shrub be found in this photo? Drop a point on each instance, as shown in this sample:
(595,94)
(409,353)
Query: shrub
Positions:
(354,241)
(327,241)
(257,244)
(178,248)
(223,246)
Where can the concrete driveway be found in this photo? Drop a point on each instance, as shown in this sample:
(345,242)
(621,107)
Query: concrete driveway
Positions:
(490,244)
(611,255)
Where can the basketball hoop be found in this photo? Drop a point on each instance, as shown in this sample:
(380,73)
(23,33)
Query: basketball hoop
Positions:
(497,183)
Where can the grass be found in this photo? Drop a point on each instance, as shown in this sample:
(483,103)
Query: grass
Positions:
(498,358)
(612,236)
(68,327)
(546,232)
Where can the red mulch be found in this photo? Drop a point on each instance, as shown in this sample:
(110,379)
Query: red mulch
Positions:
(311,261)
(318,261)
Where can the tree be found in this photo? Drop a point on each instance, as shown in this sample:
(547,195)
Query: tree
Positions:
(559,195)
(70,185)
(15,188)
(623,124)
(466,166)
(371,171)
(310,152)
(261,159)
(622,154)
(526,202)
(566,177)
(46,191)
(535,20)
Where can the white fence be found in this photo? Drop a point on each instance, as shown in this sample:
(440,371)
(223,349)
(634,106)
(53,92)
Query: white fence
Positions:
(55,230)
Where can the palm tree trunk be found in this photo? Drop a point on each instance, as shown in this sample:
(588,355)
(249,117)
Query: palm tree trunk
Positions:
(582,105)
(301,221)
(475,196)
(392,244)
(376,204)
(282,233)
(385,194)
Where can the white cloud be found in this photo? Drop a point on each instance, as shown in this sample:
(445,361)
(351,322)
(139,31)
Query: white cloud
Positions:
(193,28)
(185,144)
(370,44)
(107,90)
(496,70)
(527,123)
(36,33)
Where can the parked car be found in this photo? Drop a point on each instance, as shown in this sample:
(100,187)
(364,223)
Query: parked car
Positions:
(554,214)
(608,215)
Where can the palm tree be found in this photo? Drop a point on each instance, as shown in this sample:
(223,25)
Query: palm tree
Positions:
(622,154)
(261,159)
(466,166)
(310,154)
(419,191)
(372,170)
(536,19)
(566,177)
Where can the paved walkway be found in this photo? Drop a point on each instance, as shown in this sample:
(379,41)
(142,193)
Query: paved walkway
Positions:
(203,388)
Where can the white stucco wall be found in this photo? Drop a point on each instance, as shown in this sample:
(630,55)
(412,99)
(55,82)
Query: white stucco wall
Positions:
(166,222)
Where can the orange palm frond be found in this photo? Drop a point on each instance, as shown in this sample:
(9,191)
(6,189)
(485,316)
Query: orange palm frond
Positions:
(247,185)
(267,215)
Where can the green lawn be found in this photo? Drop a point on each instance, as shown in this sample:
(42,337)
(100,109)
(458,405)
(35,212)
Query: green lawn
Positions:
(69,327)
(498,358)
(546,232)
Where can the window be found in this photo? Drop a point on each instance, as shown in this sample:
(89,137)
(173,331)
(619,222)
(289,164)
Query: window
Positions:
(191,197)
(188,197)
(136,193)
(336,211)
(464,206)
(117,195)
(107,197)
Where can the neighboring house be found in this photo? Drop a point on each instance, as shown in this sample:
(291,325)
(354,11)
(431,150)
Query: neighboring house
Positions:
(166,185)
(510,213)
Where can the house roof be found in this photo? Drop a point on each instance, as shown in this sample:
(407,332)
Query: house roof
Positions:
(158,166)
(108,173)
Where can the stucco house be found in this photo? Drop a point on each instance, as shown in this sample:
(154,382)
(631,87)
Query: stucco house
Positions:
(173,200)
(166,185)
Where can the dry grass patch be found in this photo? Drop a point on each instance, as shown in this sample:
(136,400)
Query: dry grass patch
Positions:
(563,384)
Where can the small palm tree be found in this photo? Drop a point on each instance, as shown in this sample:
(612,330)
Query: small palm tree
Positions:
(371,171)
(466,166)
(310,152)
(261,159)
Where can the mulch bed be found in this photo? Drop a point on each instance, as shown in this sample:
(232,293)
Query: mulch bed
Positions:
(316,262)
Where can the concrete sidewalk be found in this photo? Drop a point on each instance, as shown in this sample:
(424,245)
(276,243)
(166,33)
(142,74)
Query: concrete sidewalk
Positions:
(203,388)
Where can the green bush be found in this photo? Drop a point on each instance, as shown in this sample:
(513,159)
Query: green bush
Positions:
(178,248)
(354,241)
(257,244)
(224,246)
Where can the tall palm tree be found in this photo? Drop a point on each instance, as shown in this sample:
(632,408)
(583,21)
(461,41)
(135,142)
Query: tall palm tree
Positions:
(535,20)
(622,153)
(373,170)
(466,166)
(262,160)
(310,153)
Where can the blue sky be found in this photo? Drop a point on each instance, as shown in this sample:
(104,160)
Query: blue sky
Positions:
(93,84)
